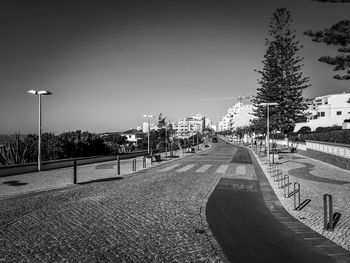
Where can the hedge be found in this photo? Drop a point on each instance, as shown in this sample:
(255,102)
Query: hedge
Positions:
(336,136)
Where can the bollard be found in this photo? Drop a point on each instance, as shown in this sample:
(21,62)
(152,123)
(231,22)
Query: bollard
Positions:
(144,161)
(134,165)
(118,164)
(296,192)
(74,171)
(328,224)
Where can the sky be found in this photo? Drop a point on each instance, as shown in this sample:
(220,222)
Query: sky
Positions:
(107,63)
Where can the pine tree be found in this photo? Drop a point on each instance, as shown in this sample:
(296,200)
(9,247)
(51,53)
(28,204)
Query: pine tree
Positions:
(281,79)
(338,35)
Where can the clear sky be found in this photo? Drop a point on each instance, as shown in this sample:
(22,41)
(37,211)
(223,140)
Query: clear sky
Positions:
(109,62)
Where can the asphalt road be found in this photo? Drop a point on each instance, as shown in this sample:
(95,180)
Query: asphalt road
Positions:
(245,228)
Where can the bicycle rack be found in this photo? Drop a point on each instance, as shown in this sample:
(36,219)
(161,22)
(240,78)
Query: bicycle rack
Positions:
(286,185)
(277,175)
(272,168)
(280,180)
(296,193)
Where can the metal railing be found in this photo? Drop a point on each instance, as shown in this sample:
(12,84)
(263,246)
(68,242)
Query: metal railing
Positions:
(8,170)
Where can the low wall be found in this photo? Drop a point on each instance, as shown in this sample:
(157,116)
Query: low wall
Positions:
(333,153)
(284,143)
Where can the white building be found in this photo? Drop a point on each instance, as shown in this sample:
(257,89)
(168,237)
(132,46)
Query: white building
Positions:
(238,115)
(327,111)
(145,127)
(189,126)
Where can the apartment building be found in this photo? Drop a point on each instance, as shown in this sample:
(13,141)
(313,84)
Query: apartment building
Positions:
(238,115)
(327,111)
(191,125)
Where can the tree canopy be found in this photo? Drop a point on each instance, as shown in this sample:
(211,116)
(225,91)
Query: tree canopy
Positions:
(338,35)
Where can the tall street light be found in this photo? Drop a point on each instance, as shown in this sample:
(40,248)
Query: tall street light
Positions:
(39,93)
(149,124)
(267,105)
(166,141)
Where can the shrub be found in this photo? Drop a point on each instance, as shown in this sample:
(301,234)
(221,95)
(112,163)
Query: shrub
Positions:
(328,129)
(304,129)
(342,136)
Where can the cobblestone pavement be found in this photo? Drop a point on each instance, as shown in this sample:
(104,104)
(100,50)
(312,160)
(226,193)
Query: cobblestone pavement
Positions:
(316,178)
(155,215)
(60,178)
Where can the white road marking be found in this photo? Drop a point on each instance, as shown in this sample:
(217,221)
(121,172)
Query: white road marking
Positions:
(203,168)
(169,167)
(222,169)
(241,169)
(186,168)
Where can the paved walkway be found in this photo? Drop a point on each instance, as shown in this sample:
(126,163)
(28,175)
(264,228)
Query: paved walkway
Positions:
(316,178)
(154,215)
(59,178)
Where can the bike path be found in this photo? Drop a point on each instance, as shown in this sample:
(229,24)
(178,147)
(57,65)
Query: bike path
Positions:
(242,216)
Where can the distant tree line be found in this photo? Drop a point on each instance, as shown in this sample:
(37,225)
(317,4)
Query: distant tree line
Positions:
(53,147)
(85,144)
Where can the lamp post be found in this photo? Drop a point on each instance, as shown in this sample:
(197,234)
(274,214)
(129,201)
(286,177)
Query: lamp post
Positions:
(197,138)
(268,104)
(166,142)
(149,124)
(39,93)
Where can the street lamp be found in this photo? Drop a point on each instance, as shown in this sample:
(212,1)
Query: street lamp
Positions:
(166,140)
(39,93)
(149,124)
(268,104)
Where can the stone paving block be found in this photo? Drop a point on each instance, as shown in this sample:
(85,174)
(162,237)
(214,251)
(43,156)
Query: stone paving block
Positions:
(150,216)
(316,179)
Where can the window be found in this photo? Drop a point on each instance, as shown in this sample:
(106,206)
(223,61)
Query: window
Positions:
(322,114)
(338,112)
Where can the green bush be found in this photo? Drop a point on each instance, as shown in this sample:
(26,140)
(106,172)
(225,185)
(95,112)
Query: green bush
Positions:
(342,136)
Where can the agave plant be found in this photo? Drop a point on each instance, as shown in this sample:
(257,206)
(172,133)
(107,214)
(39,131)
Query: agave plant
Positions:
(14,152)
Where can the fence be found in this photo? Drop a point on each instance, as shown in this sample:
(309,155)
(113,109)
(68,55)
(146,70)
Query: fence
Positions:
(8,170)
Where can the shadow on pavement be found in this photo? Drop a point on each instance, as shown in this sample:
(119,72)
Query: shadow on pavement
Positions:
(101,180)
(14,183)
